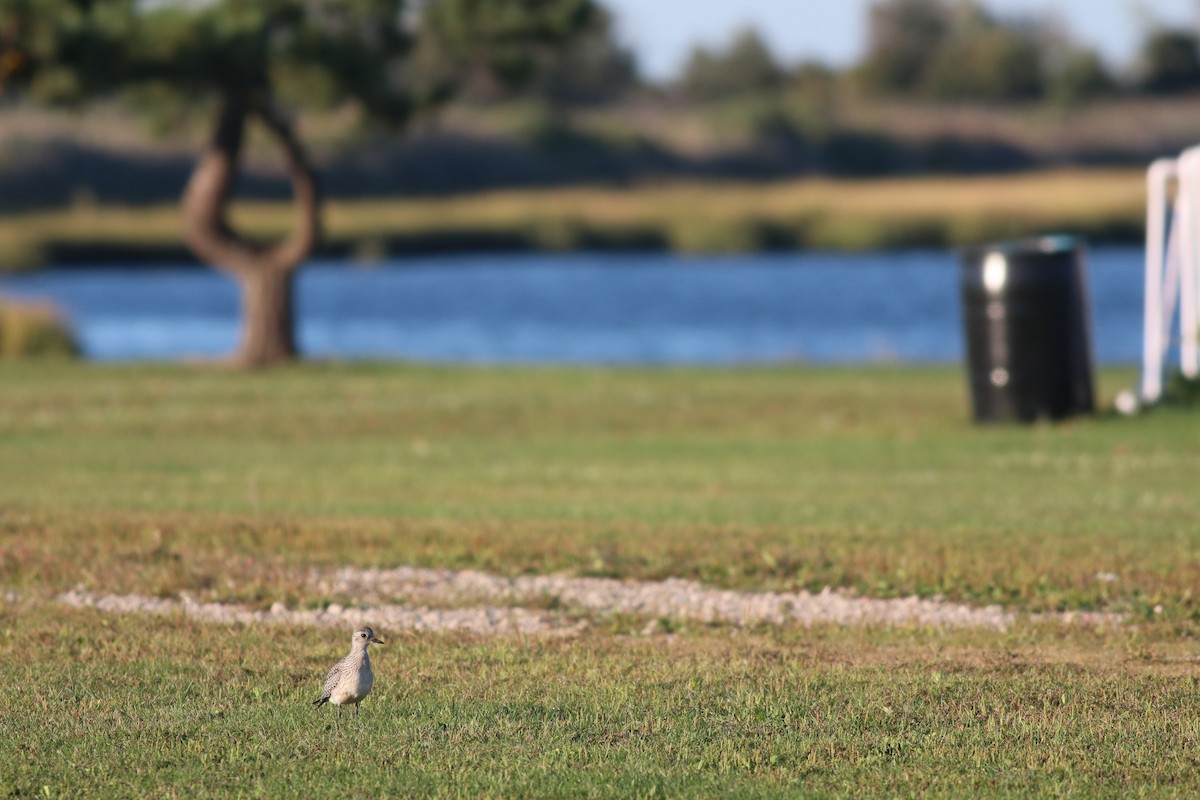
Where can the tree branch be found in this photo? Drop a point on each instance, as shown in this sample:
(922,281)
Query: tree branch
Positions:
(290,253)
(206,198)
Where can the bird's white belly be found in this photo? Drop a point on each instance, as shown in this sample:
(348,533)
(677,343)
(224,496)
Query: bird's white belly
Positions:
(354,687)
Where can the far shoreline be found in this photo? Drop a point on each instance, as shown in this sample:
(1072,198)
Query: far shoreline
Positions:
(691,218)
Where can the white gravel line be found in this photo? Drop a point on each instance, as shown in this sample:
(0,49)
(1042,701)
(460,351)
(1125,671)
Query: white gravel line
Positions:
(488,620)
(482,603)
(674,599)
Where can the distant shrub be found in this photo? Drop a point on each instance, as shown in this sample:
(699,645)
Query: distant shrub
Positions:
(859,154)
(949,154)
(591,67)
(903,35)
(35,330)
(950,51)
(1170,62)
(1083,78)
(986,61)
(747,66)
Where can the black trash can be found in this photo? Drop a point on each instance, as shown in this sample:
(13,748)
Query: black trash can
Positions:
(1028,330)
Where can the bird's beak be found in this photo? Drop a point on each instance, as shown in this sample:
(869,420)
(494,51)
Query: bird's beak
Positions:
(373,640)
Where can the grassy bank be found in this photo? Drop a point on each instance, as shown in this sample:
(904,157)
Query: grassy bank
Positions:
(161,480)
(707,217)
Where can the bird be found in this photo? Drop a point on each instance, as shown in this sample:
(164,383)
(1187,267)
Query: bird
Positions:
(351,679)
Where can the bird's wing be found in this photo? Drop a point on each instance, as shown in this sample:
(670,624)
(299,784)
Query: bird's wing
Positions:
(335,675)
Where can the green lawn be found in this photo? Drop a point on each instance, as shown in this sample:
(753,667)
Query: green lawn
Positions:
(229,486)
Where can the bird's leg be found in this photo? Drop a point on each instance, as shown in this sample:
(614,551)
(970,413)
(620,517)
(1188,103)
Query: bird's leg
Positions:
(356,710)
(339,712)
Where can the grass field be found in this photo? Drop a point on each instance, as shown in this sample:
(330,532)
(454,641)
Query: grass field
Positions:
(706,217)
(227,486)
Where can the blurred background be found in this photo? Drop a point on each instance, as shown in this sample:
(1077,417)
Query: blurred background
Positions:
(561,181)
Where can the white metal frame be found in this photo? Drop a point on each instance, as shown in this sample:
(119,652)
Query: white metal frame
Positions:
(1172,268)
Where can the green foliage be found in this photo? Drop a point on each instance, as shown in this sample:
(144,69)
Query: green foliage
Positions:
(987,63)
(902,36)
(951,52)
(1181,391)
(77,50)
(1082,78)
(506,38)
(813,89)
(1170,62)
(745,67)
(314,52)
(65,50)
(590,67)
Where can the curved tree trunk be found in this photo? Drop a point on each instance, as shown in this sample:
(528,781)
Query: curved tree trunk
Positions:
(263,273)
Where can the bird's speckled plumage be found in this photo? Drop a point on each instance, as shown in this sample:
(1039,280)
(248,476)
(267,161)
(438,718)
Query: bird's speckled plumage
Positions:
(351,679)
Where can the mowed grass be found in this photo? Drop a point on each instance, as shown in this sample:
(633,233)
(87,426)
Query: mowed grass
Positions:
(136,707)
(684,217)
(161,479)
(872,480)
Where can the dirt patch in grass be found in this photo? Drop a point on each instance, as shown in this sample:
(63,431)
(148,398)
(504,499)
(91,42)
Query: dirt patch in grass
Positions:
(481,603)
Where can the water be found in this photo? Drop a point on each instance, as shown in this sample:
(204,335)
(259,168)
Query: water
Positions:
(576,309)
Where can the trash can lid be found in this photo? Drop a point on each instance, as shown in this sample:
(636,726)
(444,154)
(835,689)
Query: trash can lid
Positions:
(1047,245)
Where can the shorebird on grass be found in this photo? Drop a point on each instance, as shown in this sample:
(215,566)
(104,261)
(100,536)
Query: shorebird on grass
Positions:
(351,679)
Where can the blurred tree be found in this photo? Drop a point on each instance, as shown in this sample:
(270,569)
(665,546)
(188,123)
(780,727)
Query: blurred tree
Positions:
(251,55)
(750,63)
(702,73)
(952,51)
(1081,78)
(902,37)
(984,60)
(811,97)
(591,68)
(1170,62)
(746,67)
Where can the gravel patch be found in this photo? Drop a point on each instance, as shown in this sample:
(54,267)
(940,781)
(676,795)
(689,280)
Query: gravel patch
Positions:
(673,599)
(679,599)
(435,600)
(487,620)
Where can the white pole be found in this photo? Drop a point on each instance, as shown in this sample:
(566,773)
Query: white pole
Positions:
(1170,284)
(1187,206)
(1155,318)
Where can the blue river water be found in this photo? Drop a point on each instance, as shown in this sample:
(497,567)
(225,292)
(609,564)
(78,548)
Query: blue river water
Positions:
(579,309)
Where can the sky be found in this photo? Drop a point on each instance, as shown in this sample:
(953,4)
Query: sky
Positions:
(662,32)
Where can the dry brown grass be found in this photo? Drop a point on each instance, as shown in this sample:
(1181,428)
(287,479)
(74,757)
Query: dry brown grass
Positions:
(682,216)
(34,330)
